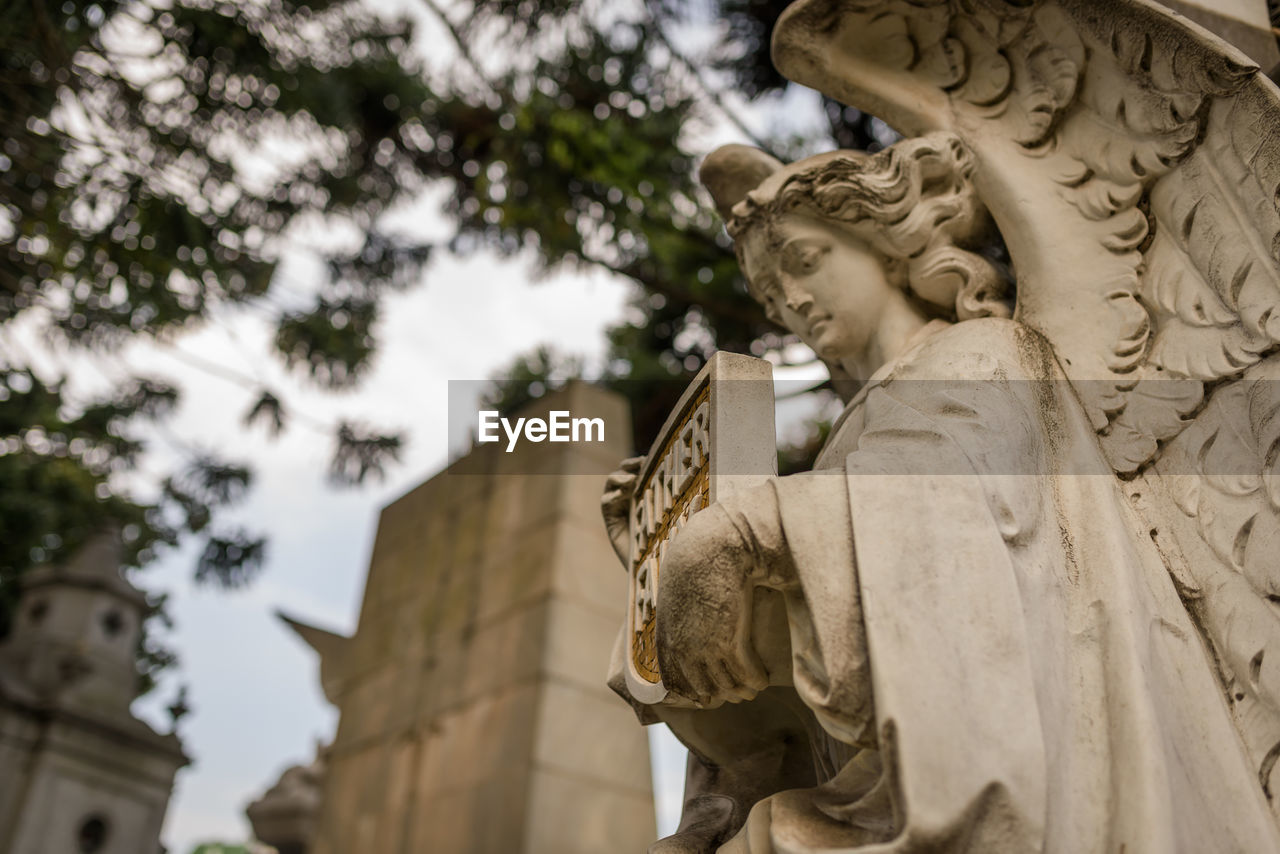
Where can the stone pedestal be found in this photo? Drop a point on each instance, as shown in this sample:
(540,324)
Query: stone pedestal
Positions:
(474,713)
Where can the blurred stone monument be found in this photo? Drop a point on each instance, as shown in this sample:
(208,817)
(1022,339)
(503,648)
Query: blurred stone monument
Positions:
(474,712)
(78,772)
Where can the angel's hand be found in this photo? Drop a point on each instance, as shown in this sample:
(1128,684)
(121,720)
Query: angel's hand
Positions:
(615,504)
(704,613)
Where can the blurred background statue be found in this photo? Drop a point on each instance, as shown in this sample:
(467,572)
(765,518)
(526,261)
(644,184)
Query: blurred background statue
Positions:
(1024,600)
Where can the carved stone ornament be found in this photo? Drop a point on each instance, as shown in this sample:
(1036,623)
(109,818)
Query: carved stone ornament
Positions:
(1027,599)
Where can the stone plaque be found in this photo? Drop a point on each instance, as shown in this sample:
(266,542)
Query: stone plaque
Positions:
(718,439)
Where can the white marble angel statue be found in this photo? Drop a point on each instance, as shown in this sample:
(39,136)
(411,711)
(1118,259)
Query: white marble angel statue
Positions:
(1027,599)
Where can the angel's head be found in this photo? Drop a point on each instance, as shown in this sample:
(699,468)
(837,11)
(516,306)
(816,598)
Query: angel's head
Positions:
(846,247)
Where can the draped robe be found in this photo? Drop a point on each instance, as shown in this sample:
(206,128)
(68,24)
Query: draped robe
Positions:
(983,650)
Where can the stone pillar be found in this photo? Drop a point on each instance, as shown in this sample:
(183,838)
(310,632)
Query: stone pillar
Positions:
(474,713)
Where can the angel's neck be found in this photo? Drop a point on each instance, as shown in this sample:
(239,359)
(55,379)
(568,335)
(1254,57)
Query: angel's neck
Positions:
(900,328)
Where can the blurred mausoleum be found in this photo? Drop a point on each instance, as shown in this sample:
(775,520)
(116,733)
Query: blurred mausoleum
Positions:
(474,712)
(78,772)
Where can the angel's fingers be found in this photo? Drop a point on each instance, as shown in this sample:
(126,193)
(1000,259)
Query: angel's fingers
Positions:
(730,686)
(620,480)
(750,669)
(631,464)
(700,681)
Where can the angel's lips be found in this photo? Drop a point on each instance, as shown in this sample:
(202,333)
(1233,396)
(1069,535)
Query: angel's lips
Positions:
(817,322)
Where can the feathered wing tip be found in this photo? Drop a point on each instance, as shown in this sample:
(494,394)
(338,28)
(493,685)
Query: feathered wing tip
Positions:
(732,171)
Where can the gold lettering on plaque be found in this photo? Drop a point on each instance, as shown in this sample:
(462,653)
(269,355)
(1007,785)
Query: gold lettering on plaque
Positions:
(677,487)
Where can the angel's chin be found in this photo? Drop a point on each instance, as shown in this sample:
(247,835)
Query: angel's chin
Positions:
(830,350)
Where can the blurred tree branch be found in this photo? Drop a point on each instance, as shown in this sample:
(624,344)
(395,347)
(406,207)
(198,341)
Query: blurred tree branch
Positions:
(156,157)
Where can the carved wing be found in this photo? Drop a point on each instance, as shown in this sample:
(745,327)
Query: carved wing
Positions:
(1132,163)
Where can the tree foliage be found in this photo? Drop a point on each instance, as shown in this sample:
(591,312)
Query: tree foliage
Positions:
(157,155)
(150,165)
(692,299)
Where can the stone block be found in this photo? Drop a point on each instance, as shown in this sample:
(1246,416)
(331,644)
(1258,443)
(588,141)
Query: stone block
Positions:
(516,572)
(488,817)
(479,741)
(592,737)
(366,706)
(504,651)
(605,819)
(586,568)
(492,603)
(579,640)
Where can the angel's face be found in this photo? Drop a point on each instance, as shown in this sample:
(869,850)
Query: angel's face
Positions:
(820,282)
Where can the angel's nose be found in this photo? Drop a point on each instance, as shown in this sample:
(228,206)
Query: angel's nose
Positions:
(796,296)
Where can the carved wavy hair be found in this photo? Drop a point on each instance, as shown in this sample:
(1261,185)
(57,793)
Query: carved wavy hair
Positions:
(913,203)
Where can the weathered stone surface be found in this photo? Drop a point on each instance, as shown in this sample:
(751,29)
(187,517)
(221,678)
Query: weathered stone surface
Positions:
(574,739)
(605,818)
(473,708)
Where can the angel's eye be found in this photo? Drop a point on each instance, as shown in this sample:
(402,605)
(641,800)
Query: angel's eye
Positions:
(769,297)
(803,259)
(766,287)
